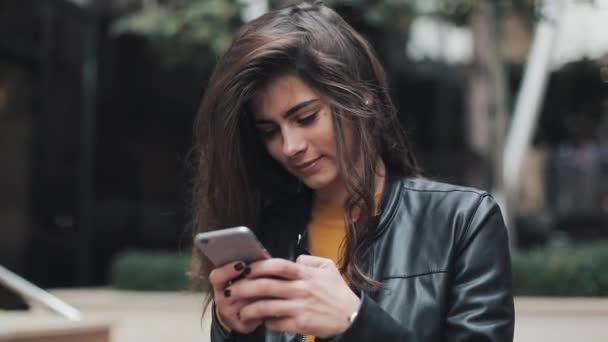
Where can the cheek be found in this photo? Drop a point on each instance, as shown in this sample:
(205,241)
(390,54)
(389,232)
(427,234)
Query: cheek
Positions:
(322,136)
(328,140)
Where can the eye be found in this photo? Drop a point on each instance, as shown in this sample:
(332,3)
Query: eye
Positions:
(267,132)
(306,120)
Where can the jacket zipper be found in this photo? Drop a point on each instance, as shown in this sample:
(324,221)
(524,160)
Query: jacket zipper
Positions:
(301,242)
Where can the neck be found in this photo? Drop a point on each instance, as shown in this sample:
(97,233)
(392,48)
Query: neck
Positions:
(336,193)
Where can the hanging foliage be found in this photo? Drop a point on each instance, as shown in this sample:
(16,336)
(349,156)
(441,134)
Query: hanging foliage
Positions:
(197,31)
(184,32)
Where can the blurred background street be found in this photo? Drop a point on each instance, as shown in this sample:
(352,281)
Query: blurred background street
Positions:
(176,316)
(98,97)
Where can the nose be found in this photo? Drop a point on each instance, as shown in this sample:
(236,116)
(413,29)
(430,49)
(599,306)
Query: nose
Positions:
(293,143)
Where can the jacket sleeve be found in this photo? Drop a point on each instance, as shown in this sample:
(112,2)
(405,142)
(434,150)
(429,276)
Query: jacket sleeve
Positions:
(218,334)
(374,324)
(481,304)
(481,308)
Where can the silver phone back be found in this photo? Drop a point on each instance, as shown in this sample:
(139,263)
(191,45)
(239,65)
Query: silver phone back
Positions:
(229,245)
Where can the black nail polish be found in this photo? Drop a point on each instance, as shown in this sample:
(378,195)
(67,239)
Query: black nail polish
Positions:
(239,266)
(227,293)
(246,271)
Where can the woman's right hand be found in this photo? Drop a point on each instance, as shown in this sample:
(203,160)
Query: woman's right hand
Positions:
(227,308)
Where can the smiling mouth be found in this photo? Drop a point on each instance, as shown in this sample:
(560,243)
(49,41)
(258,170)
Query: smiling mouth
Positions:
(303,166)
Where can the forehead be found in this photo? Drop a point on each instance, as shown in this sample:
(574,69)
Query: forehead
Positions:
(280,94)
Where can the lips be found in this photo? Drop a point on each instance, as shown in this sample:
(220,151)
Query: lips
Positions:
(308,166)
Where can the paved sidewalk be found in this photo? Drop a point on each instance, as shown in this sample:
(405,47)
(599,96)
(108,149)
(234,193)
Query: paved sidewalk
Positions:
(144,316)
(561,319)
(170,316)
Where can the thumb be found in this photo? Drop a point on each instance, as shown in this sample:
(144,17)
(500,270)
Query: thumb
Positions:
(314,261)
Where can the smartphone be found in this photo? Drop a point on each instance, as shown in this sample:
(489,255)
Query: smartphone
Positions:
(229,245)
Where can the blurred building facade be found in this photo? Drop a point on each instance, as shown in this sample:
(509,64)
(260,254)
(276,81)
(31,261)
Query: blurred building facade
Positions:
(95,132)
(94,138)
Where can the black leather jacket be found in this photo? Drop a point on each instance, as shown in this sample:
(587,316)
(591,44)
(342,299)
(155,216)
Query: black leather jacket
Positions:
(441,252)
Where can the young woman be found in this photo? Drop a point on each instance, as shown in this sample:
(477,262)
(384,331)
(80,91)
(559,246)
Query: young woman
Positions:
(297,139)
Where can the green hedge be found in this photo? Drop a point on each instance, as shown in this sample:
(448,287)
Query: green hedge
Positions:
(572,271)
(150,271)
(569,271)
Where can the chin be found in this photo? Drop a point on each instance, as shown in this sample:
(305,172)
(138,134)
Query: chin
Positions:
(318,182)
(314,185)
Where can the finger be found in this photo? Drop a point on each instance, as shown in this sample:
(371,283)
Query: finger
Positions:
(220,276)
(244,273)
(269,309)
(247,327)
(229,313)
(244,326)
(314,261)
(223,297)
(278,268)
(253,289)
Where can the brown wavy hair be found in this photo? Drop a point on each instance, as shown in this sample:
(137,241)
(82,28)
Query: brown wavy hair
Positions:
(236,177)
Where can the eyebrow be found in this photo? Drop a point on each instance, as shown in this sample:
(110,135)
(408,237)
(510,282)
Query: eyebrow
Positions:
(291,110)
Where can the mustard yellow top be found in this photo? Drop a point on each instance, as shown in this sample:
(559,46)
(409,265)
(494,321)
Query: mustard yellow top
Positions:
(326,231)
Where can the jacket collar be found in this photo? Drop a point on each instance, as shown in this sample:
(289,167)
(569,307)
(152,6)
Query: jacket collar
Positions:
(388,204)
(289,218)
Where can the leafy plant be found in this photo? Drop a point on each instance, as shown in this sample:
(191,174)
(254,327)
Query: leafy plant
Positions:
(190,32)
(572,271)
(149,271)
(197,31)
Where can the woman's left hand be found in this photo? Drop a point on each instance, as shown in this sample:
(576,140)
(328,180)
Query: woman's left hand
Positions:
(308,296)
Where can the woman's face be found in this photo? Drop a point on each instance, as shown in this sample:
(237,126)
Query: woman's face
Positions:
(296,126)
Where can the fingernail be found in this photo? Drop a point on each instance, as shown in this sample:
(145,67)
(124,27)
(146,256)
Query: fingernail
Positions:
(227,293)
(239,266)
(246,271)
(229,282)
